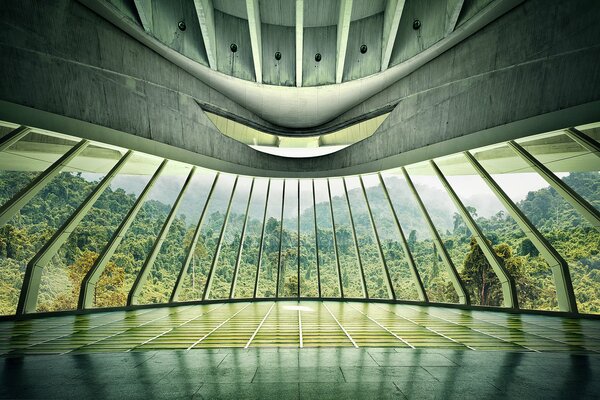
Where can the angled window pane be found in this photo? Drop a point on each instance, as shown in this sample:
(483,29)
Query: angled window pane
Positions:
(133,250)
(92,234)
(267,278)
(223,274)
(505,236)
(351,274)
(402,279)
(308,252)
(24,235)
(244,287)
(562,155)
(456,237)
(27,158)
(566,230)
(430,266)
(162,276)
(326,246)
(375,278)
(59,284)
(288,285)
(195,280)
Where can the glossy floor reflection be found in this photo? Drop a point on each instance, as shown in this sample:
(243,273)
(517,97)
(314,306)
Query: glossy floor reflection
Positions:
(320,373)
(301,324)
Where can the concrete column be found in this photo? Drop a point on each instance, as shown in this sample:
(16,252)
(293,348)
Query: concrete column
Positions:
(558,265)
(509,291)
(33,272)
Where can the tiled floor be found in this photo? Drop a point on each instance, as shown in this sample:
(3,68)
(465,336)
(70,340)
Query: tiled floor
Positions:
(298,325)
(304,349)
(292,373)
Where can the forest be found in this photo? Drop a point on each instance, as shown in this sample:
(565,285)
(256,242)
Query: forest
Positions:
(577,241)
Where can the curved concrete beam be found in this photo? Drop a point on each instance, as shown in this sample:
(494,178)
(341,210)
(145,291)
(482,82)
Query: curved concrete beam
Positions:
(303,107)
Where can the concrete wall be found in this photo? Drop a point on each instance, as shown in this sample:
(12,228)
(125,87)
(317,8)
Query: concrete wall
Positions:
(60,57)
(532,70)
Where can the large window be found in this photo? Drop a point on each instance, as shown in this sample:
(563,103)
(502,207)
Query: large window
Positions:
(85,224)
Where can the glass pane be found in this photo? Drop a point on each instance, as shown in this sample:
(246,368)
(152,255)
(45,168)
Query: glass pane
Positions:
(562,155)
(328,265)
(570,234)
(456,237)
(210,229)
(308,251)
(25,234)
(59,286)
(27,158)
(288,285)
(251,243)
(267,277)
(429,265)
(223,274)
(163,275)
(351,274)
(389,235)
(269,261)
(503,233)
(92,234)
(375,278)
(133,250)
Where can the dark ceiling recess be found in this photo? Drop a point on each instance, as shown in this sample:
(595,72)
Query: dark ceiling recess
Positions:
(318,57)
(181,25)
(416,24)
(363,49)
(278,56)
(233,47)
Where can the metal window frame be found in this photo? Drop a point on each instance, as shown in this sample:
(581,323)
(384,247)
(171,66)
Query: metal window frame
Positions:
(238,257)
(88,285)
(262,239)
(390,286)
(457,283)
(403,242)
(335,245)
(316,239)
(363,281)
(13,137)
(559,266)
(298,230)
(33,272)
(584,140)
(209,278)
(140,280)
(190,252)
(19,200)
(279,267)
(585,209)
(509,290)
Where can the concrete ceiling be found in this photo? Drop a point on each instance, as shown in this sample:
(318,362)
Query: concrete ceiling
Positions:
(296,91)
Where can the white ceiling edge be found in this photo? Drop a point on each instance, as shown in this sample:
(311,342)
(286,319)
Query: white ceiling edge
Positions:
(297,152)
(301,107)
